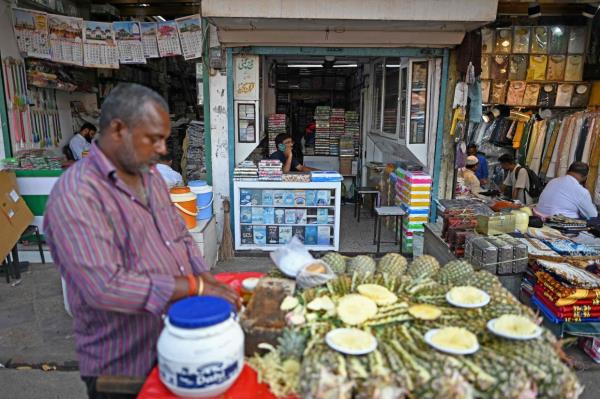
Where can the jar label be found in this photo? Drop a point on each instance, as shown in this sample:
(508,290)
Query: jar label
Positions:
(216,373)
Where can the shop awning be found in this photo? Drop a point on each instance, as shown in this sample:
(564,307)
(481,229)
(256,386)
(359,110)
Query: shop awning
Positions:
(347,23)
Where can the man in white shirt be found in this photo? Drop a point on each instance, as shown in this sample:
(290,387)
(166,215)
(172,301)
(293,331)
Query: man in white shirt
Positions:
(171,177)
(567,196)
(469,176)
(80,142)
(517,178)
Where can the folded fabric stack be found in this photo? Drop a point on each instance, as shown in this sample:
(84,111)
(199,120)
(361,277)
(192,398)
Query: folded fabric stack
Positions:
(567,225)
(570,248)
(270,170)
(276,124)
(322,130)
(245,170)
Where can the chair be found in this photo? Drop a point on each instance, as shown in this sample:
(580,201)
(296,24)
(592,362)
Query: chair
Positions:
(32,233)
(359,199)
(387,211)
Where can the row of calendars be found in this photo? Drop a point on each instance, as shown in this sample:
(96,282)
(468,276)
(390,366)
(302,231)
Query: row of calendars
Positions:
(249,197)
(259,215)
(278,235)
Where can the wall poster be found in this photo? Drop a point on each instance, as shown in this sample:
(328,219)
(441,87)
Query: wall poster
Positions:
(31,31)
(100,48)
(190,36)
(149,39)
(246,77)
(168,39)
(129,41)
(66,39)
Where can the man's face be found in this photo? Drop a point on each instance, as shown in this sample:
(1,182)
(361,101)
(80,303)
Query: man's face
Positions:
(288,143)
(506,166)
(142,145)
(472,151)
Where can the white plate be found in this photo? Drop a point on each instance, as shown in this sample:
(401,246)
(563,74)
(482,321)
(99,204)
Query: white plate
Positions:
(467,351)
(481,304)
(331,334)
(491,325)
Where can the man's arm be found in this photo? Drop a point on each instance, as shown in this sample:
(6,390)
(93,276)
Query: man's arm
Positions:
(520,184)
(587,209)
(287,165)
(77,147)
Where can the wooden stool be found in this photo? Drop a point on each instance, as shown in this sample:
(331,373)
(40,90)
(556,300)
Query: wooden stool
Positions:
(360,197)
(385,211)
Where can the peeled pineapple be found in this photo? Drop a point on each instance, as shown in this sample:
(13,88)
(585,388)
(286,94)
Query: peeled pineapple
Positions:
(351,339)
(321,303)
(381,295)
(424,312)
(336,262)
(454,338)
(423,266)
(467,295)
(361,264)
(511,324)
(392,264)
(355,309)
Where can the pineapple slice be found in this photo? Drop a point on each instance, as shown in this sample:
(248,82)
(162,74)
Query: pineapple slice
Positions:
(425,312)
(381,295)
(351,339)
(321,303)
(454,338)
(467,295)
(289,303)
(355,309)
(515,325)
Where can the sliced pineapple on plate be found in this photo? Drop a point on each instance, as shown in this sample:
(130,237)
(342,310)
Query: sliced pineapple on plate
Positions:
(514,327)
(452,340)
(424,311)
(381,295)
(351,341)
(321,303)
(467,297)
(355,309)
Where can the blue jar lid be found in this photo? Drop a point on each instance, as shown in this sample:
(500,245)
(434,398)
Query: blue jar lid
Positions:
(197,183)
(199,311)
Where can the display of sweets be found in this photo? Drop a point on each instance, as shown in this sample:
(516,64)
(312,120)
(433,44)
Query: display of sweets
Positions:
(245,170)
(276,124)
(270,170)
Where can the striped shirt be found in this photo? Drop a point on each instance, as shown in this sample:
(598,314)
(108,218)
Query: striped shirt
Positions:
(119,258)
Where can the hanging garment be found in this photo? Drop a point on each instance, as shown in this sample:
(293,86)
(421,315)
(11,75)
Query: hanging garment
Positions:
(535,162)
(577,38)
(559,40)
(460,95)
(537,67)
(533,142)
(522,152)
(555,160)
(564,93)
(595,95)
(592,182)
(510,132)
(503,41)
(521,39)
(550,149)
(539,40)
(583,136)
(565,151)
(485,66)
(518,67)
(581,95)
(476,105)
(589,142)
(577,130)
(548,95)
(574,68)
(469,53)
(550,123)
(556,67)
(487,41)
(516,90)
(532,92)
(518,135)
(500,67)
(485,91)
(498,92)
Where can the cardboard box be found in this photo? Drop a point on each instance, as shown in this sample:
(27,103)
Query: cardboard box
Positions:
(15,216)
(496,224)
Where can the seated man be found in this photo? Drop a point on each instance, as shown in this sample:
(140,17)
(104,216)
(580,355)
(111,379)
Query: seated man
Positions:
(80,141)
(470,180)
(567,195)
(284,144)
(169,175)
(482,172)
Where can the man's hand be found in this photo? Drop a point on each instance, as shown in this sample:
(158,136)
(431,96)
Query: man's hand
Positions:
(214,287)
(288,152)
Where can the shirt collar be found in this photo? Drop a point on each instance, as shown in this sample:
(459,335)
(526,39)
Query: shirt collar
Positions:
(106,167)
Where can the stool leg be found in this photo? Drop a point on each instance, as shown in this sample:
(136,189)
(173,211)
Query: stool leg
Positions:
(355,203)
(401,223)
(6,264)
(39,241)
(16,263)
(375,230)
(360,199)
(378,235)
(396,231)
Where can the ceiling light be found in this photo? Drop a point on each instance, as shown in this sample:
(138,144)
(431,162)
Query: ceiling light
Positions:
(534,10)
(305,66)
(160,18)
(346,66)
(557,31)
(329,58)
(144,5)
(590,10)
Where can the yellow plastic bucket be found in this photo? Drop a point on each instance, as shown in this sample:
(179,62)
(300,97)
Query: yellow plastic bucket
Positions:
(185,202)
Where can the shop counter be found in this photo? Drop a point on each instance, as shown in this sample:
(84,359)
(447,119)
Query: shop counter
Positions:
(268,214)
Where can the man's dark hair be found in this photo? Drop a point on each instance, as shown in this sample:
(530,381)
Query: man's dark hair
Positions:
(87,126)
(472,145)
(126,102)
(506,158)
(581,168)
(281,137)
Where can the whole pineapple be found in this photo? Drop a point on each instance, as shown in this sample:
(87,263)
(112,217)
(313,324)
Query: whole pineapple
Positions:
(483,280)
(456,272)
(291,344)
(336,262)
(392,264)
(423,266)
(361,264)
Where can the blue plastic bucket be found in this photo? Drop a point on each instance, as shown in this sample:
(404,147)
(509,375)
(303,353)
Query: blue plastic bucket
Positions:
(204,198)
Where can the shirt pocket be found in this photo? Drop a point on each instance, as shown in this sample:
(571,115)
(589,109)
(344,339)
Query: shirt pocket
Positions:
(168,224)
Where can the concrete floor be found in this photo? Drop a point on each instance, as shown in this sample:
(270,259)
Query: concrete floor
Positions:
(35,330)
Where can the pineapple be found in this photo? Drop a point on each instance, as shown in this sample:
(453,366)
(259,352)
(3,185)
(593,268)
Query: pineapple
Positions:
(336,262)
(456,272)
(483,280)
(424,266)
(454,338)
(381,295)
(361,264)
(393,264)
(291,344)
(355,309)
(424,312)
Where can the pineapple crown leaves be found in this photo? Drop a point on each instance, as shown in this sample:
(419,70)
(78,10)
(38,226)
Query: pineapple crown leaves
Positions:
(292,343)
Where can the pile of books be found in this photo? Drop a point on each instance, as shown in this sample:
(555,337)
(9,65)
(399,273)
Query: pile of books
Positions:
(352,128)
(270,170)
(275,126)
(346,155)
(245,170)
(322,130)
(337,122)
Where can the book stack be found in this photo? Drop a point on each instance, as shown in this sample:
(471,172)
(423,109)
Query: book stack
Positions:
(270,170)
(413,193)
(352,128)
(245,170)
(337,122)
(346,155)
(275,126)
(322,130)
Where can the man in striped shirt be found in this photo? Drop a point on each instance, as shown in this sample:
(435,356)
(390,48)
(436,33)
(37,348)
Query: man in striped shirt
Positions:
(118,242)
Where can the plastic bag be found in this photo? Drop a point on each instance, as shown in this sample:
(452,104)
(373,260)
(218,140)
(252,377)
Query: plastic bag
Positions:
(291,258)
(308,279)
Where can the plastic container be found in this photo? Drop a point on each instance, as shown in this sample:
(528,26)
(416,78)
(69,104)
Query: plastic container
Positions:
(201,348)
(521,220)
(185,202)
(204,198)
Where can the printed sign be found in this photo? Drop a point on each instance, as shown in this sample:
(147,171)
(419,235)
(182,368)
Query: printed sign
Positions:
(246,77)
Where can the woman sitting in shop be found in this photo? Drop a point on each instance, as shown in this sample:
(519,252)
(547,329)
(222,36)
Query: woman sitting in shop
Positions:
(284,144)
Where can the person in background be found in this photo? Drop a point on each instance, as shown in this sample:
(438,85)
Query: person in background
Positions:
(567,195)
(482,172)
(119,243)
(519,184)
(171,176)
(470,179)
(80,141)
(284,144)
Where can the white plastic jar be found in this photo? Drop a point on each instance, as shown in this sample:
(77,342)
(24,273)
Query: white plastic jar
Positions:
(201,348)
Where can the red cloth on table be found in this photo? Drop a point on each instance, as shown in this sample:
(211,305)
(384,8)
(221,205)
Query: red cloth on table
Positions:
(572,311)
